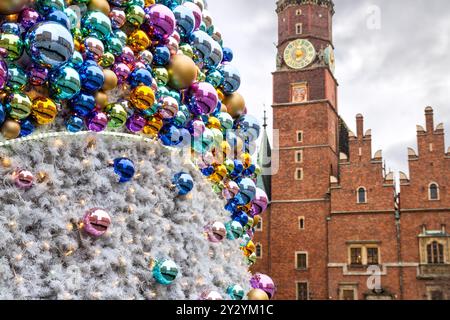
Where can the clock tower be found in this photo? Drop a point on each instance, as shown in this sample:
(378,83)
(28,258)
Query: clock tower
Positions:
(306,120)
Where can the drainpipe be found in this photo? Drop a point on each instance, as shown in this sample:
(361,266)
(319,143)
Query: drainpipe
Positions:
(399,248)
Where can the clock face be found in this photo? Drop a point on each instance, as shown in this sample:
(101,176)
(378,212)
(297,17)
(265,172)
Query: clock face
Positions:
(299,54)
(329,58)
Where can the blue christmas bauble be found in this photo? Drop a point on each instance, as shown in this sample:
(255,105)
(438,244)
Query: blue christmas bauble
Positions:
(124,168)
(236,292)
(184,183)
(75,124)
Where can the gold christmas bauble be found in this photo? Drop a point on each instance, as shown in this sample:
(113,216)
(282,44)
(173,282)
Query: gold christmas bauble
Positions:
(12,6)
(257,294)
(101,99)
(110,80)
(10,129)
(100,5)
(182,71)
(235,104)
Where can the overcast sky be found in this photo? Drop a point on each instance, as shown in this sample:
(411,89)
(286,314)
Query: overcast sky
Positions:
(389,69)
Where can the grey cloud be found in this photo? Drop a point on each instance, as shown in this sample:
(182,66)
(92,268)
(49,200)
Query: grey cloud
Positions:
(389,75)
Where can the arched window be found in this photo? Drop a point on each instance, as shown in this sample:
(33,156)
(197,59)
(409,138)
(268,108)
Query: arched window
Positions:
(433,191)
(435,253)
(362,195)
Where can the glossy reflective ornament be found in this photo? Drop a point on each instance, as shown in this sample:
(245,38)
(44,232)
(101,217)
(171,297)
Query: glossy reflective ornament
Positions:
(118,18)
(160,21)
(28,17)
(202,45)
(236,292)
(196,12)
(11,6)
(65,83)
(235,104)
(260,202)
(257,294)
(248,128)
(60,17)
(169,108)
(18,106)
(232,78)
(182,72)
(216,232)
(142,97)
(153,126)
(97,122)
(138,41)
(37,75)
(161,75)
(125,169)
(49,44)
(76,61)
(96,24)
(161,56)
(3,74)
(226,121)
(26,127)
(17,78)
(117,115)
(215,78)
(184,183)
(94,48)
(111,80)
(140,77)
(185,20)
(122,72)
(10,129)
(201,98)
(83,104)
(12,44)
(91,76)
(227,55)
(44,110)
(215,57)
(3,113)
(99,5)
(136,123)
(234,230)
(165,271)
(263,282)
(146,57)
(96,222)
(23,179)
(75,124)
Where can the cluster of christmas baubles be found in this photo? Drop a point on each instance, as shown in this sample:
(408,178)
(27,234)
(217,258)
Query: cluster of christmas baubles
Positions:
(166,62)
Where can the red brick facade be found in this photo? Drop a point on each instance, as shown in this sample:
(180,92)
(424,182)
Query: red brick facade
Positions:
(359,237)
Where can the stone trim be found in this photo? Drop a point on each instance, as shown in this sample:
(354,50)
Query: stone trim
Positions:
(301,201)
(283,4)
(363,212)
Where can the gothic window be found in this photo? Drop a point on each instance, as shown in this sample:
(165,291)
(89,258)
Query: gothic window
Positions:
(356,256)
(301,223)
(298,12)
(435,253)
(302,290)
(301,260)
(299,28)
(433,192)
(258,250)
(362,195)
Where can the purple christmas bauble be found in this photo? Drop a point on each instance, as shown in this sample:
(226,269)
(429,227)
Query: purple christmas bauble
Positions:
(29,17)
(23,179)
(97,122)
(202,98)
(136,123)
(259,203)
(3,74)
(263,282)
(122,72)
(160,21)
(37,75)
